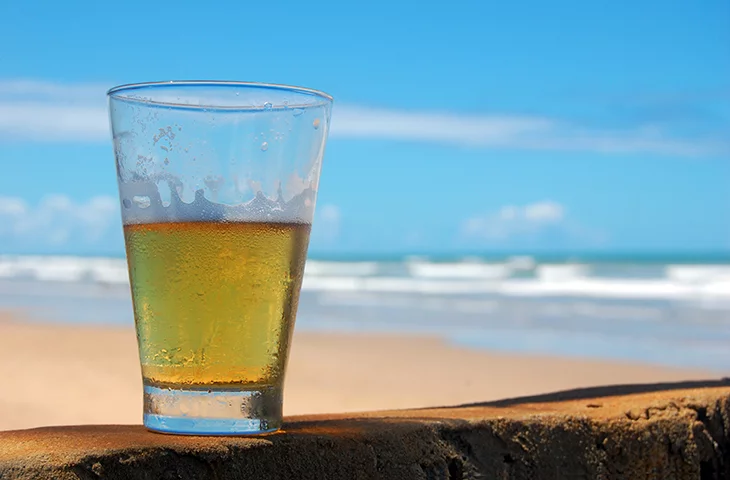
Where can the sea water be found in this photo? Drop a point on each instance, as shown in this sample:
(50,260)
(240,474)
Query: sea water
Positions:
(671,311)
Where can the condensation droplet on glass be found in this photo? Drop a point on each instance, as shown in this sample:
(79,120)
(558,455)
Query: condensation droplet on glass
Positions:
(264,146)
(315,123)
(298,111)
(268,106)
(167,161)
(127,203)
(142,201)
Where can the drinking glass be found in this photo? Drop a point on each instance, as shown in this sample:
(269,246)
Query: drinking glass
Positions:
(218,183)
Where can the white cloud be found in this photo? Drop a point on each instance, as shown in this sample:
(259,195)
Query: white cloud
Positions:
(47,111)
(22,88)
(48,122)
(330,214)
(57,220)
(12,207)
(484,130)
(513,220)
(327,223)
(542,212)
(510,132)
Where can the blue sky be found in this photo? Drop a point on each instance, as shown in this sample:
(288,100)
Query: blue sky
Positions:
(482,126)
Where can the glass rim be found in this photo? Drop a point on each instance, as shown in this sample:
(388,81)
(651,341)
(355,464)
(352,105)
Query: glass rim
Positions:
(119,92)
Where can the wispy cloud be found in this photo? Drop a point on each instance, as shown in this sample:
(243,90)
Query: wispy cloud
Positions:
(49,122)
(513,132)
(57,220)
(47,111)
(352,121)
(58,92)
(514,220)
(327,223)
(532,221)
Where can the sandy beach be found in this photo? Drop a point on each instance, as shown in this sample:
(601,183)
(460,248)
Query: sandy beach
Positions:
(59,374)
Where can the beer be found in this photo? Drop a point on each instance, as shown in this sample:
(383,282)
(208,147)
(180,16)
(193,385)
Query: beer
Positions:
(215,302)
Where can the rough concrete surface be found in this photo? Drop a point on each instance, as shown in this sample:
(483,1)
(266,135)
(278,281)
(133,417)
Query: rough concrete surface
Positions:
(676,431)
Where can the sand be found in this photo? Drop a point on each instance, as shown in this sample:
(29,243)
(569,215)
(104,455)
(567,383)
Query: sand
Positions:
(63,375)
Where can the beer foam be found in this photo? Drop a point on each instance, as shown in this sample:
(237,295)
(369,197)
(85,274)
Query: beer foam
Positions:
(142,203)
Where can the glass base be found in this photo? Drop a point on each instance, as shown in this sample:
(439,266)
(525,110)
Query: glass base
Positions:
(213,412)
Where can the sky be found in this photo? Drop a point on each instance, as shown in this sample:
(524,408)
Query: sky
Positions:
(458,127)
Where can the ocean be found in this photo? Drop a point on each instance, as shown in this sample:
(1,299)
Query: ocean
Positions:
(670,310)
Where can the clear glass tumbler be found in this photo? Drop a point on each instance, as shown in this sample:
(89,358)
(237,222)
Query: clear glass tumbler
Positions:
(218,182)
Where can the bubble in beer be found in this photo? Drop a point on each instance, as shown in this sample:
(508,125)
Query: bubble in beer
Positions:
(199,277)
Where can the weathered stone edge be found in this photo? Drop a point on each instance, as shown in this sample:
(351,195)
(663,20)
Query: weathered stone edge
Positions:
(682,438)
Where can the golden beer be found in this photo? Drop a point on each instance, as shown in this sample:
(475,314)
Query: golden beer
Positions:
(215,302)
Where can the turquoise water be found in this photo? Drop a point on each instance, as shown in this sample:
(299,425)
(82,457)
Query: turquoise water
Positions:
(666,310)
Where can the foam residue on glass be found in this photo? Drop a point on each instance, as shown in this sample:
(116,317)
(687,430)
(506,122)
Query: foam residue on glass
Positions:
(202,166)
(147,206)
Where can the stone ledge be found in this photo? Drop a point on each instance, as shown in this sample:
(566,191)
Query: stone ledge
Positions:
(676,431)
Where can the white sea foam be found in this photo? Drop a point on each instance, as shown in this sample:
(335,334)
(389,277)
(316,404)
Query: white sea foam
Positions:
(587,287)
(708,286)
(467,269)
(64,269)
(522,262)
(353,269)
(562,272)
(698,274)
